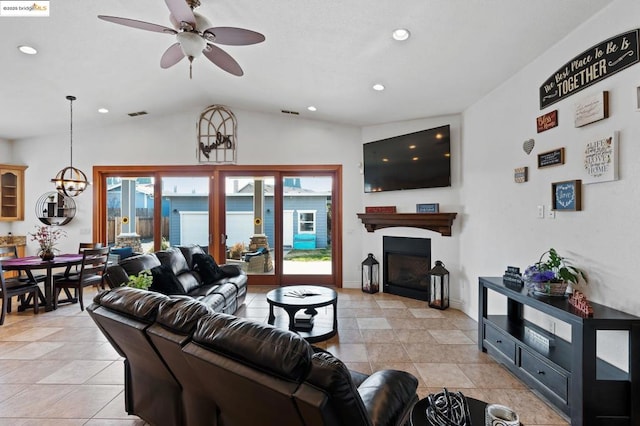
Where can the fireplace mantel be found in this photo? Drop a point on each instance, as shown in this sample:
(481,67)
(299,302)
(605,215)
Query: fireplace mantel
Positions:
(437,222)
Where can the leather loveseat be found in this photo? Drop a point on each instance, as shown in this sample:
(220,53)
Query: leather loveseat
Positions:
(185,364)
(187,271)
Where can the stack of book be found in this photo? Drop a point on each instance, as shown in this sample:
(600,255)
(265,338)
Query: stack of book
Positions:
(303,321)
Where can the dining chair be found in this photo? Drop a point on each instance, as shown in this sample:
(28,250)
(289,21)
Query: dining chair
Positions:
(92,268)
(11,287)
(11,252)
(68,271)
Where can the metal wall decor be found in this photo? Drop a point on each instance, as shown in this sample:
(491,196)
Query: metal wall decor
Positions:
(54,208)
(217,135)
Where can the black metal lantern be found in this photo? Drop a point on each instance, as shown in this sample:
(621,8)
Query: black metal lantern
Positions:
(370,274)
(439,286)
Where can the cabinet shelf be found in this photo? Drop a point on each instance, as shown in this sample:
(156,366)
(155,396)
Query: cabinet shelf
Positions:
(11,192)
(570,375)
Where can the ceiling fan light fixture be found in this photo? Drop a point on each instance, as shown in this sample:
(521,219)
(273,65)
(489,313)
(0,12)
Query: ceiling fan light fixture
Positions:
(70,181)
(191,44)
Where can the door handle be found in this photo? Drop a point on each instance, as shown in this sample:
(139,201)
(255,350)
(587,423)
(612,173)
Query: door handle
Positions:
(223,238)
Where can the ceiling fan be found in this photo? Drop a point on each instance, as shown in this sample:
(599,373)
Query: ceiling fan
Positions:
(195,35)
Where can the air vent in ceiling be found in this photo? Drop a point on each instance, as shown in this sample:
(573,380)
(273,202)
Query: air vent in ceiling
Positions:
(284,111)
(135,114)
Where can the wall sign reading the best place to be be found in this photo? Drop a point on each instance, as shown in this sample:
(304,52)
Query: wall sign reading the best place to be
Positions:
(591,66)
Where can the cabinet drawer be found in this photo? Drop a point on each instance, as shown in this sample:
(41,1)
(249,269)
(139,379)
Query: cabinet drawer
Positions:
(500,341)
(543,372)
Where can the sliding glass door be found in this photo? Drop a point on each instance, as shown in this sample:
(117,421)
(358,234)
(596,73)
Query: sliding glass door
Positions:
(306,225)
(281,224)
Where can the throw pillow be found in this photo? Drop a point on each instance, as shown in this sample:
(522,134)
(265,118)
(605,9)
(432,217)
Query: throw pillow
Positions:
(165,281)
(230,270)
(207,267)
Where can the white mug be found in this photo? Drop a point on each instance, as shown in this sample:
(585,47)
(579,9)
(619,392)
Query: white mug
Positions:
(499,415)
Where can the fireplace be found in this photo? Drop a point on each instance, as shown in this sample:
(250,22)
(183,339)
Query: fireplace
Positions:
(407,262)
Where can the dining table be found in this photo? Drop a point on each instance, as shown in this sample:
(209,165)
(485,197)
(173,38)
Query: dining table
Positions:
(33,263)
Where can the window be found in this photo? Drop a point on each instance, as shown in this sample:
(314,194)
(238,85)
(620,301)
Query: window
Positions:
(306,221)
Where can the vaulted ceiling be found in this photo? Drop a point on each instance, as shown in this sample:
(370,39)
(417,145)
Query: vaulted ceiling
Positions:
(325,53)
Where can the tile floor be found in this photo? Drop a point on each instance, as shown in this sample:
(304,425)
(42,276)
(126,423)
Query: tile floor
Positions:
(56,368)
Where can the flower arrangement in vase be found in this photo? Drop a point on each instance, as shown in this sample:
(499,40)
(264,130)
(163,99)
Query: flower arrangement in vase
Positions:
(551,275)
(47,238)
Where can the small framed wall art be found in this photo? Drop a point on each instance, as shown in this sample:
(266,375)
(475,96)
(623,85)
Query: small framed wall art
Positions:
(600,159)
(591,109)
(521,174)
(547,121)
(428,208)
(567,195)
(551,158)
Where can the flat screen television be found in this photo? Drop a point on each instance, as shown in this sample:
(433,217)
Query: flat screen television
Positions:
(415,160)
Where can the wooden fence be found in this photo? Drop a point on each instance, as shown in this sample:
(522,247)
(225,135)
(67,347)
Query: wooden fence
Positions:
(144,228)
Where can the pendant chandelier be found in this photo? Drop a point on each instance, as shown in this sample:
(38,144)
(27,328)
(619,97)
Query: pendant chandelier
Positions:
(70,181)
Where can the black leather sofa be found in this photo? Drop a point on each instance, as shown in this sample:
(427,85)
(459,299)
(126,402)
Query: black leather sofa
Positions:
(186,364)
(179,271)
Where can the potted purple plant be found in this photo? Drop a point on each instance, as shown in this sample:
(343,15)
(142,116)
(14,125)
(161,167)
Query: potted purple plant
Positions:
(551,275)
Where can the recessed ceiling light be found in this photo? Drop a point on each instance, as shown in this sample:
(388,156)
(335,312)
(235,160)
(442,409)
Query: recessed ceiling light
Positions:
(401,34)
(103,110)
(312,108)
(27,50)
(378,87)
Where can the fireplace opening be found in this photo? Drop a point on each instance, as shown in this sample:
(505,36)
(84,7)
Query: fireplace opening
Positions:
(406,265)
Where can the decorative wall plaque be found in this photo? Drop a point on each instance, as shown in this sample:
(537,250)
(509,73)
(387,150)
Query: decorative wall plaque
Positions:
(217,135)
(521,174)
(547,121)
(600,159)
(551,158)
(567,195)
(595,64)
(428,208)
(380,209)
(591,109)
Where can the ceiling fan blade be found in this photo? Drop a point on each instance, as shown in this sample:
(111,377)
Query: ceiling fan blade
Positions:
(222,59)
(138,24)
(181,11)
(234,36)
(171,56)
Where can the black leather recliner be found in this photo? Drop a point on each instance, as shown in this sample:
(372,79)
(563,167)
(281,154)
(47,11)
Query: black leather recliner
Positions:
(234,372)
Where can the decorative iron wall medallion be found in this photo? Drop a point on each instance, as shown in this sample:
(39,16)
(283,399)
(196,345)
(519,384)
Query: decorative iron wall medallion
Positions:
(217,135)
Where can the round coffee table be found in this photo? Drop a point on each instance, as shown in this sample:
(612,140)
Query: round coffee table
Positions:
(476,410)
(308,297)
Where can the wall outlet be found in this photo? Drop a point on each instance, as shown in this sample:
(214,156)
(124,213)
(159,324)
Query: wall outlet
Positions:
(540,212)
(551,214)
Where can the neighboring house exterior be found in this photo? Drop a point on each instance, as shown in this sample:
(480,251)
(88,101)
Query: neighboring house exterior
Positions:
(186,204)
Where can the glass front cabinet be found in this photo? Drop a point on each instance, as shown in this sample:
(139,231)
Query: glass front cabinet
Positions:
(11,192)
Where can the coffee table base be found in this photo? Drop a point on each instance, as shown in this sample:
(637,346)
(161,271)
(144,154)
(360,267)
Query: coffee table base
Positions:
(324,327)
